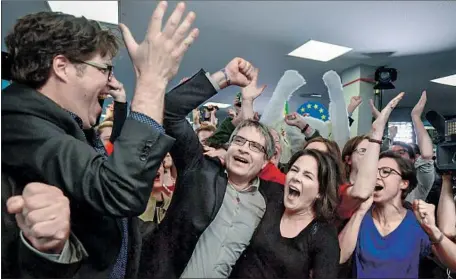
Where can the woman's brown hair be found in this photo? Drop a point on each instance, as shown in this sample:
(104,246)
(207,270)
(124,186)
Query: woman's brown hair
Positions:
(333,150)
(348,150)
(328,175)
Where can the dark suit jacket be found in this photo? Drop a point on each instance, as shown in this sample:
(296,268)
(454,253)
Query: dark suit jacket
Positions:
(200,187)
(41,142)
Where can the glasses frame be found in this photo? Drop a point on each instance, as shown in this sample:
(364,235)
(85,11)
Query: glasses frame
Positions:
(99,66)
(391,171)
(361,153)
(244,140)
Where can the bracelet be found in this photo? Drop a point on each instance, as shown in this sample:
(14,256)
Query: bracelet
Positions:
(228,82)
(375,141)
(305,128)
(438,240)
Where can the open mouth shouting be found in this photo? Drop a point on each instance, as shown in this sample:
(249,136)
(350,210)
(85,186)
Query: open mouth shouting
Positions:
(241,160)
(293,192)
(378,187)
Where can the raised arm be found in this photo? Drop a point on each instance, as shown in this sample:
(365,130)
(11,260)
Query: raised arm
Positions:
(180,101)
(424,140)
(364,185)
(446,211)
(249,94)
(425,171)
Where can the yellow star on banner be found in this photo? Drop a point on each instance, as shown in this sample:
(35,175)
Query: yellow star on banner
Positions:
(309,106)
(321,110)
(315,106)
(323,117)
(303,109)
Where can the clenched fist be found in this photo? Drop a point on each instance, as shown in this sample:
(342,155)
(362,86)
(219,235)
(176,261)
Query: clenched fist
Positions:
(43,215)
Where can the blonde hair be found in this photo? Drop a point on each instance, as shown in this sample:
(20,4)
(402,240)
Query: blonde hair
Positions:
(104,124)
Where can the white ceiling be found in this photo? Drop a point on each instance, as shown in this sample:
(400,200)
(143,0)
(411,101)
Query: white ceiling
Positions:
(421,34)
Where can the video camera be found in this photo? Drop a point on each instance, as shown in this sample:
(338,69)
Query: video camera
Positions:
(446,141)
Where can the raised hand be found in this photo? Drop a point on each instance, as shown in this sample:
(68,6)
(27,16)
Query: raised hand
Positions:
(212,152)
(160,54)
(43,215)
(379,124)
(419,107)
(295,119)
(355,101)
(424,213)
(252,91)
(116,90)
(374,110)
(240,72)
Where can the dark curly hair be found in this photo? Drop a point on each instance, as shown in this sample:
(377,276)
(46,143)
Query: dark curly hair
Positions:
(328,179)
(37,38)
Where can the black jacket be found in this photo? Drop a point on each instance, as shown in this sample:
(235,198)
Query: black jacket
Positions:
(200,187)
(41,142)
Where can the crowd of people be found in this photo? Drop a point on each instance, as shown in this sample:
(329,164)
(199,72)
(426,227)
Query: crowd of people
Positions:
(143,193)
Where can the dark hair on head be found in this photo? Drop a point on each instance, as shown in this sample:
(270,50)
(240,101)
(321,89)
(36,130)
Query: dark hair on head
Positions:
(37,38)
(328,172)
(263,130)
(407,147)
(333,150)
(415,148)
(406,168)
(348,150)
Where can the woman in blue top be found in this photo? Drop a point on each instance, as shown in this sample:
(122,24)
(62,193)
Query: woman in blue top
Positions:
(386,239)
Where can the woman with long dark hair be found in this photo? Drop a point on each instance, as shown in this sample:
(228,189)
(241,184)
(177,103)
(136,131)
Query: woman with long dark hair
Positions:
(296,235)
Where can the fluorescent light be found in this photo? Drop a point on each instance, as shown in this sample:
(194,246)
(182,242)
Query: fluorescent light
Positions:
(320,51)
(219,105)
(103,11)
(449,80)
(316,95)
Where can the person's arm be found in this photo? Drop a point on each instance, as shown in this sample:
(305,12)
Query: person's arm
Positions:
(355,101)
(424,140)
(298,121)
(179,102)
(425,174)
(327,253)
(118,185)
(348,237)
(446,211)
(249,94)
(364,185)
(120,115)
(442,246)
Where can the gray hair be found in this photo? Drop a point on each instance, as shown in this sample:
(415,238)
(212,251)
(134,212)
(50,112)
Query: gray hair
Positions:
(264,131)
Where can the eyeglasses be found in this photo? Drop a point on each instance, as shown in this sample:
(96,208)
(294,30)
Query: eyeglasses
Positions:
(360,151)
(401,151)
(386,171)
(254,146)
(105,69)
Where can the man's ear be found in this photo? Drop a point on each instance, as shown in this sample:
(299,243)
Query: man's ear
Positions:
(61,67)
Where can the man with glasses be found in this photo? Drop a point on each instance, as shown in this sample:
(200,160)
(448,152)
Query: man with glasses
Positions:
(62,64)
(215,208)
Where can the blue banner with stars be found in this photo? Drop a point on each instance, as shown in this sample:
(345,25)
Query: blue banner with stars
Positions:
(314,109)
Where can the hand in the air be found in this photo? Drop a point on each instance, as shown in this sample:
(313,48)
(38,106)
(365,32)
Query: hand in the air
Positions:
(417,111)
(252,91)
(379,124)
(159,55)
(240,72)
(355,101)
(295,119)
